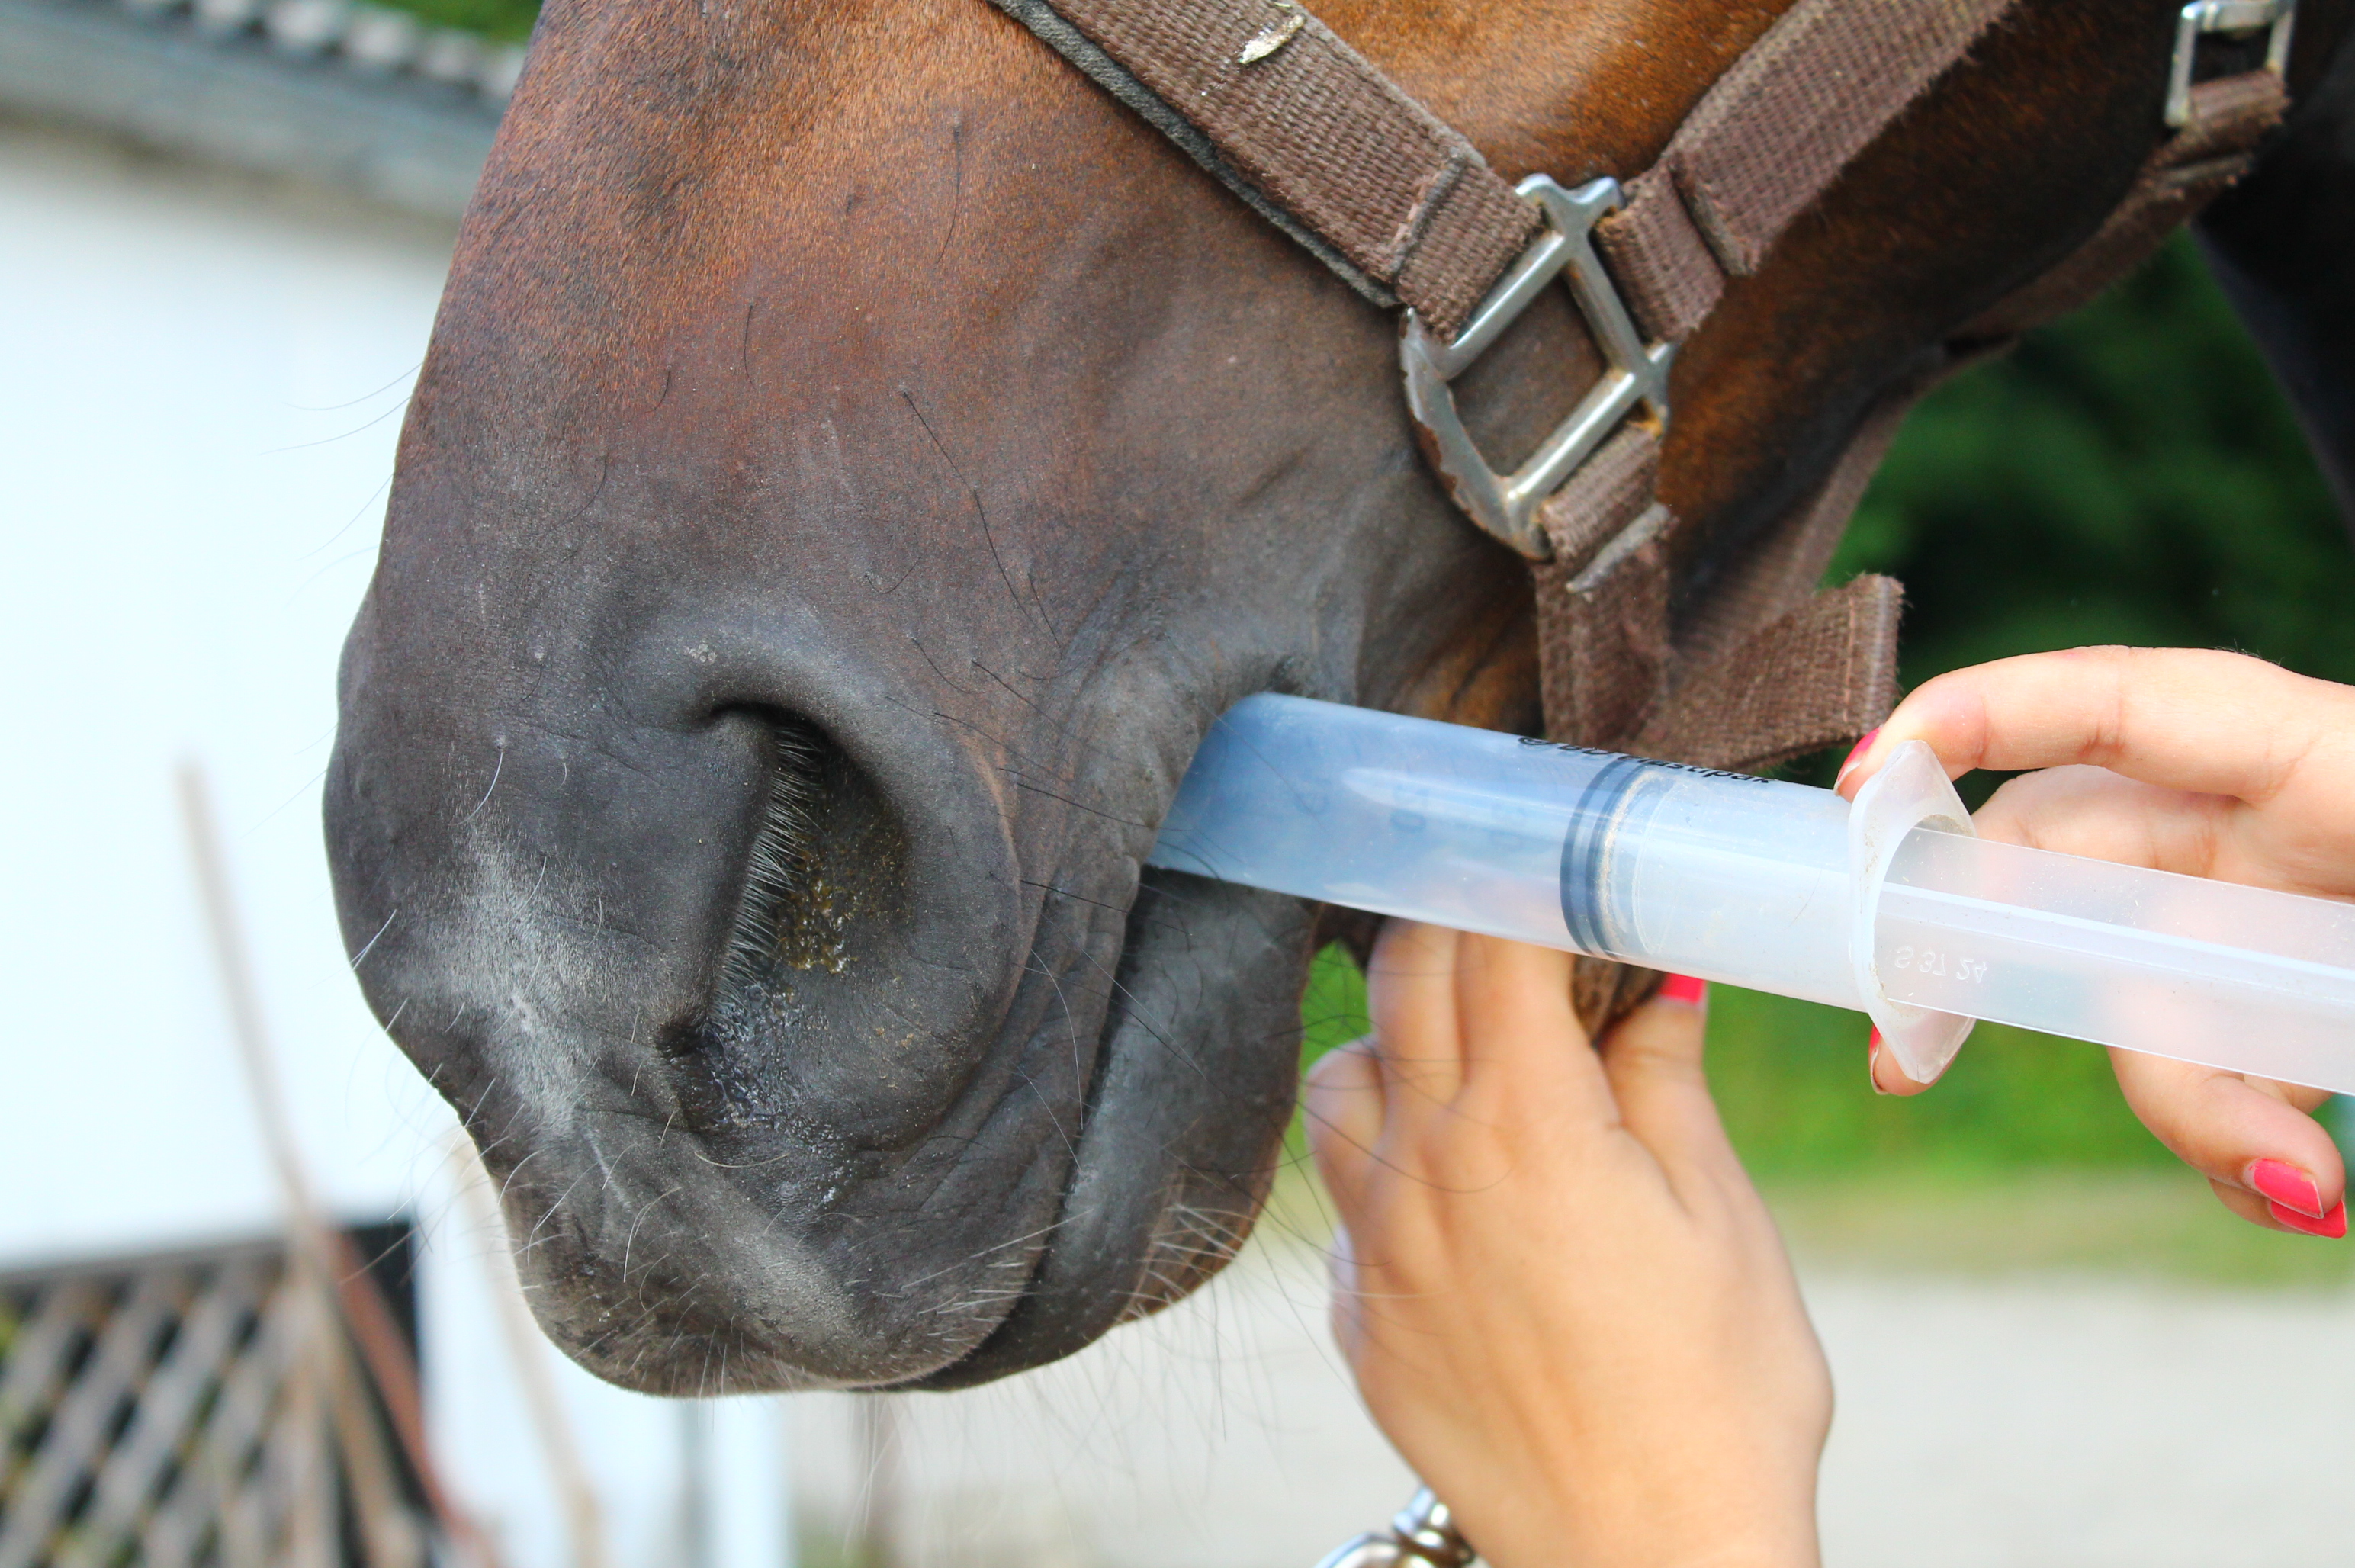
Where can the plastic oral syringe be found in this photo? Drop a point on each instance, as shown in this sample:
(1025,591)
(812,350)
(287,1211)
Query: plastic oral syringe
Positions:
(1890,906)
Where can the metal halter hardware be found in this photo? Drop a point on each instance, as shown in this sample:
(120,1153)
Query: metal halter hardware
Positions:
(1635,372)
(2223,16)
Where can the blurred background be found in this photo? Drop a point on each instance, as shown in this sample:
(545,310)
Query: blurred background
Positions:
(254,1306)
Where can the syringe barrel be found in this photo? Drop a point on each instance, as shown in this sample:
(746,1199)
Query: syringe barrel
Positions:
(1717,875)
(1889,907)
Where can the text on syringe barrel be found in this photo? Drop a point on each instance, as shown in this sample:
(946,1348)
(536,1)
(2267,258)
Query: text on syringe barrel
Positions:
(2183,966)
(1718,875)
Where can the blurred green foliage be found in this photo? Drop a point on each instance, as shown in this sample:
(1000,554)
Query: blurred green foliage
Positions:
(2129,474)
(1790,1080)
(509,21)
(1332,1008)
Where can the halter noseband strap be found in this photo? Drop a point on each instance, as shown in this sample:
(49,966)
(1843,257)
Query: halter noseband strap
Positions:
(1403,208)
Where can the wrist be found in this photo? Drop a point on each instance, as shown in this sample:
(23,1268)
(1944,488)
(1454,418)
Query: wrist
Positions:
(1705,1527)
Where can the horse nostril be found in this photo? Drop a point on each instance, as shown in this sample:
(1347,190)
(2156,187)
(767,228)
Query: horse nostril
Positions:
(799,1020)
(789,916)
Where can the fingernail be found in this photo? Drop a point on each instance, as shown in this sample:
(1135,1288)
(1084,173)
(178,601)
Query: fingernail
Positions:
(2287,1186)
(2333,1224)
(1856,751)
(1872,1060)
(1684,988)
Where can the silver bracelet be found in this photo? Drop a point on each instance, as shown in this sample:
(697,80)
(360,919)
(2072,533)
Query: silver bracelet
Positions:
(1422,1535)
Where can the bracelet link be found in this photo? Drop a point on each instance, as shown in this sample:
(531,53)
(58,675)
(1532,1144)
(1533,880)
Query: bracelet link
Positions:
(1422,1535)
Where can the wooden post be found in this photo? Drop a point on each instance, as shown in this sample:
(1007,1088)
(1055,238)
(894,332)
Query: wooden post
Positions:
(324,1256)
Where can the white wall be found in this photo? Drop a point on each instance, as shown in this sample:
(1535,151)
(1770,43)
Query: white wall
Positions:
(200,385)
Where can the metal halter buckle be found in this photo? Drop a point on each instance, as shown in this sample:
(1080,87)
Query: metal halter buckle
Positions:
(1635,372)
(2203,17)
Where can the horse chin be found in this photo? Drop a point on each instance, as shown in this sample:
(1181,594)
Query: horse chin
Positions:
(1185,1121)
(674,1259)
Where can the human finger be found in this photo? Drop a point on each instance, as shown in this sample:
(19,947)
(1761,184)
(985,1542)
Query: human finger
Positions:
(2267,1215)
(1411,996)
(1342,1107)
(1653,1060)
(1345,1311)
(2107,815)
(1881,1067)
(2187,718)
(1526,1055)
(2247,1136)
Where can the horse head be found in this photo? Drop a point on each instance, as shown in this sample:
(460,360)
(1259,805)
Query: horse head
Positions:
(854,461)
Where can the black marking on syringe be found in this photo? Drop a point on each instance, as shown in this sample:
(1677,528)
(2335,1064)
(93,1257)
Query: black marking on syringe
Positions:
(1693,768)
(1582,844)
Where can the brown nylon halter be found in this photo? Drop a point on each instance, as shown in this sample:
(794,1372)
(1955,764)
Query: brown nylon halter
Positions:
(1405,209)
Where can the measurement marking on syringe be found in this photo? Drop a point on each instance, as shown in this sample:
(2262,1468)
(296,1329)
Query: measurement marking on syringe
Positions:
(2125,947)
(1942,965)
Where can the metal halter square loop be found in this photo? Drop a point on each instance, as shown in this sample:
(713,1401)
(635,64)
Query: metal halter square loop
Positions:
(1635,372)
(2203,17)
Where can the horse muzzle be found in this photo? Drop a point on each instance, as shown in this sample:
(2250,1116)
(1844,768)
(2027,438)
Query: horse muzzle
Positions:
(798,1063)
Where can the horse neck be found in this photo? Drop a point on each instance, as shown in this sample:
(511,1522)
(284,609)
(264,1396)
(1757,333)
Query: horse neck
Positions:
(1574,91)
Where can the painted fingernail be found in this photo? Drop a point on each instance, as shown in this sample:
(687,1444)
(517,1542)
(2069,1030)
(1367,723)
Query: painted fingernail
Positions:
(2333,1224)
(2287,1186)
(1872,1060)
(1684,988)
(1855,753)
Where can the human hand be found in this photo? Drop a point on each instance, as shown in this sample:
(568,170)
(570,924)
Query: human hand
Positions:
(1561,1295)
(2213,764)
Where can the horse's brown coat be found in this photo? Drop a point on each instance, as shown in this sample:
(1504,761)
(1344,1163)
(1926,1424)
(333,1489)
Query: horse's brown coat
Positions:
(866,380)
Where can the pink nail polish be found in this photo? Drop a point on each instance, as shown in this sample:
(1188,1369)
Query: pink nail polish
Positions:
(2286,1186)
(2332,1225)
(1859,749)
(1872,1060)
(1684,988)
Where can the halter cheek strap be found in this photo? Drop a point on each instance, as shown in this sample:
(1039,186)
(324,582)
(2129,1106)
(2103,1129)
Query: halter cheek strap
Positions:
(1405,209)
